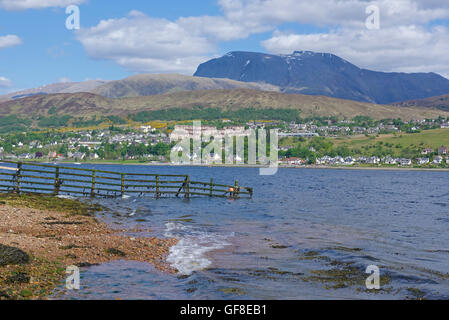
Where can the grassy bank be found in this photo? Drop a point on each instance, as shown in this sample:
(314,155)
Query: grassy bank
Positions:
(43,202)
(396,143)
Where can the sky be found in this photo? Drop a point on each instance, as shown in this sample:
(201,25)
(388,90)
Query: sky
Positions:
(120,38)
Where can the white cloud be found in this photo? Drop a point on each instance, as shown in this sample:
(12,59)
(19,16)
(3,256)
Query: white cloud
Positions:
(217,28)
(401,49)
(141,43)
(145,44)
(36,4)
(5,83)
(9,41)
(333,12)
(405,42)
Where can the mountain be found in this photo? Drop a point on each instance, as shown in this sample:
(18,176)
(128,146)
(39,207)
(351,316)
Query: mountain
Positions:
(440,103)
(140,85)
(153,84)
(79,104)
(88,104)
(325,74)
(63,87)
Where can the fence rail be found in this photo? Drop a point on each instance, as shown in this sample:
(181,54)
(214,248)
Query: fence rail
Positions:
(28,177)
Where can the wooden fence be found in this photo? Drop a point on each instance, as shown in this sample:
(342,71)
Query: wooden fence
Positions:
(27,177)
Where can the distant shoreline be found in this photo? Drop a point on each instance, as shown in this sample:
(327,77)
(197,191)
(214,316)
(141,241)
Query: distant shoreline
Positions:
(375,168)
(311,167)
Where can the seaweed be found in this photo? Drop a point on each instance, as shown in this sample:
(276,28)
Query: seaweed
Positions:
(115,252)
(12,256)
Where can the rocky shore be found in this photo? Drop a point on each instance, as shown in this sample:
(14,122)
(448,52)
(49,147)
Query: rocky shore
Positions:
(40,236)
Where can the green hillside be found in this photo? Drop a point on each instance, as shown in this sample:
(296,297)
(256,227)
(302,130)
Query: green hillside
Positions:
(79,109)
(395,145)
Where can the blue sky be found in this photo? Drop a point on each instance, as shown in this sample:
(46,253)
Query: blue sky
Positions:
(50,52)
(121,38)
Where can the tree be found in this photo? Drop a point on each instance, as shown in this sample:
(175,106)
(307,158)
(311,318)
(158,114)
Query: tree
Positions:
(52,110)
(161,149)
(63,149)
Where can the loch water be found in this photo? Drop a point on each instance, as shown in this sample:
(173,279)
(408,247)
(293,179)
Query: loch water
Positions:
(306,234)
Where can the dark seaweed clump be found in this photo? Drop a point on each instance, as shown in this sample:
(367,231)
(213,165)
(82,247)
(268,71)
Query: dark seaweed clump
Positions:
(12,256)
(115,252)
(18,278)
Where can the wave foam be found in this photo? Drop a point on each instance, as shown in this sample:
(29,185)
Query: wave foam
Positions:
(189,254)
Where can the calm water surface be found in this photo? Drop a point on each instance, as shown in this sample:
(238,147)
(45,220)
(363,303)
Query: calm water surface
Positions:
(306,234)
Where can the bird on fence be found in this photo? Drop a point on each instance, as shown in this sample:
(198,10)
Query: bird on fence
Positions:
(231,191)
(58,185)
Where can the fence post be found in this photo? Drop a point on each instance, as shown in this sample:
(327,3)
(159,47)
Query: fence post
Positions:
(157,187)
(92,190)
(123,185)
(236,188)
(57,184)
(211,187)
(19,172)
(188,187)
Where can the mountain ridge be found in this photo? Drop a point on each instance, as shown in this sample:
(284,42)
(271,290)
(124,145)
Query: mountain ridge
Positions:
(88,104)
(154,84)
(438,102)
(60,87)
(308,72)
(139,85)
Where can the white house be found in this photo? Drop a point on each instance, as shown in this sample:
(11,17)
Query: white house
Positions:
(422,161)
(390,160)
(349,161)
(427,151)
(147,129)
(373,160)
(437,160)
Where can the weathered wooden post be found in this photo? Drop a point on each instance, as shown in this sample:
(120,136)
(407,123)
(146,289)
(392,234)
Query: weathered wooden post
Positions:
(250,192)
(188,187)
(123,185)
(157,187)
(211,187)
(238,192)
(19,172)
(57,183)
(236,189)
(92,190)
